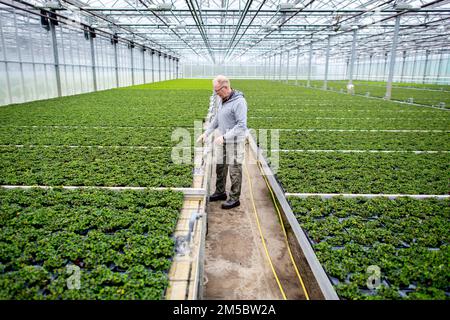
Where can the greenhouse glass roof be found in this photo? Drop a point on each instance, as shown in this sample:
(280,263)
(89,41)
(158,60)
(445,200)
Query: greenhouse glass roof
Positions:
(223,30)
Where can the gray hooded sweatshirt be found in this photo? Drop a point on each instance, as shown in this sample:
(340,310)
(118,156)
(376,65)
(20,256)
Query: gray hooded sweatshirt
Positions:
(231,118)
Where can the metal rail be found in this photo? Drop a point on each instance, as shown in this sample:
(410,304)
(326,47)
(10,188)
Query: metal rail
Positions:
(188,192)
(366,195)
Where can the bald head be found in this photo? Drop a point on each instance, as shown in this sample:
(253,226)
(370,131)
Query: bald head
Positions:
(222,86)
(221,80)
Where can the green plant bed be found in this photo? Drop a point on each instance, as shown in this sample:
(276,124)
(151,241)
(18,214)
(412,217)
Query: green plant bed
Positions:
(83,166)
(359,123)
(120,241)
(109,136)
(349,235)
(389,173)
(426,94)
(413,141)
(116,107)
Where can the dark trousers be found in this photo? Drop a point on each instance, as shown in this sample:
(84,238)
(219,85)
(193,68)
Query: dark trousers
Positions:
(230,156)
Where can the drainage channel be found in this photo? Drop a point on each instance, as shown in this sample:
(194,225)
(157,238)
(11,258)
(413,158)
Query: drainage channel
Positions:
(247,254)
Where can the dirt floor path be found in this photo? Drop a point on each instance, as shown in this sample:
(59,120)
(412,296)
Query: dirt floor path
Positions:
(236,265)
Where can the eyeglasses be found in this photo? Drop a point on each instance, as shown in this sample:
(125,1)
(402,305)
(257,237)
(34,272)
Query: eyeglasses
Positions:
(217,91)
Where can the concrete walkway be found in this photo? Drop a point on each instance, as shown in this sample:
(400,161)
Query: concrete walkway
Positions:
(236,265)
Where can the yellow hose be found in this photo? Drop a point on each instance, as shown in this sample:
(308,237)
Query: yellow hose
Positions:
(284,232)
(260,233)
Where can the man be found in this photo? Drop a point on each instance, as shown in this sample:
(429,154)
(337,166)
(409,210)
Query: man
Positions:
(231,120)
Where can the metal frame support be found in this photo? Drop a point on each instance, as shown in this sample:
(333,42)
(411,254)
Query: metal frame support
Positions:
(165,67)
(370,66)
(8,80)
(274,67)
(327,64)
(352,59)
(132,65)
(153,66)
(427,55)
(308,83)
(94,72)
(296,65)
(392,62)
(143,65)
(159,66)
(414,66)
(30,41)
(19,55)
(281,61)
(402,74)
(347,62)
(168,67)
(439,71)
(177,67)
(385,64)
(269,69)
(264,69)
(56,58)
(116,64)
(357,68)
(287,67)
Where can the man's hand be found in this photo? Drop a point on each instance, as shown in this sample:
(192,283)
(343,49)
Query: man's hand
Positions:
(219,140)
(201,138)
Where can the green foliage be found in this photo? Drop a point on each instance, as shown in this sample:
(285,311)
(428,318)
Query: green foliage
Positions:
(120,240)
(364,172)
(406,238)
(427,94)
(412,141)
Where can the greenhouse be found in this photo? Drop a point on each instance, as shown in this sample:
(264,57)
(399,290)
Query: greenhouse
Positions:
(332,118)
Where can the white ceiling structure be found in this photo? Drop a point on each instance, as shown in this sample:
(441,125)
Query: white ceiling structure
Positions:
(220,31)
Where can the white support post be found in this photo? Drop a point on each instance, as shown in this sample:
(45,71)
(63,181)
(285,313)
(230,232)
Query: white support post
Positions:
(308,83)
(132,64)
(296,65)
(264,68)
(94,72)
(402,73)
(274,67)
(8,80)
(327,64)
(392,62)
(116,64)
(153,66)
(439,71)
(143,65)
(281,61)
(385,64)
(19,55)
(55,57)
(414,66)
(159,67)
(352,59)
(427,55)
(287,67)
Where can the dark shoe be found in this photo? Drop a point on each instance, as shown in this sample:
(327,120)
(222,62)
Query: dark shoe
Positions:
(218,196)
(230,204)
